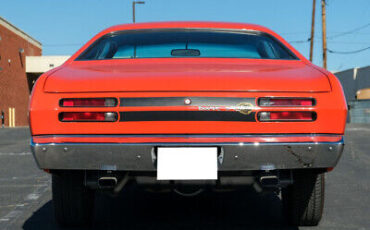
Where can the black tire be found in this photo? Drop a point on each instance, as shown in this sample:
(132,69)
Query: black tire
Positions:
(304,200)
(73,202)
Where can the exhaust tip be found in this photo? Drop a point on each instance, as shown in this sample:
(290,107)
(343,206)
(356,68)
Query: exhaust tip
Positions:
(269,181)
(107,182)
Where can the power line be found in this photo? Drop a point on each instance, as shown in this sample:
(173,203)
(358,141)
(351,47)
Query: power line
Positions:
(331,32)
(351,42)
(335,42)
(348,52)
(301,41)
(334,36)
(349,32)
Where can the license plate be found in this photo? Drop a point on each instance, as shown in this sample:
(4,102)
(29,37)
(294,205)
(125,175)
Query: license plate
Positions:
(187,163)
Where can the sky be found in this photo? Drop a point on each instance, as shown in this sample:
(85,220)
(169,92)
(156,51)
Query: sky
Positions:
(63,26)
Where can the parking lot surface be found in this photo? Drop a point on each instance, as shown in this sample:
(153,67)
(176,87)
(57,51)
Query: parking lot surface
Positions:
(25,196)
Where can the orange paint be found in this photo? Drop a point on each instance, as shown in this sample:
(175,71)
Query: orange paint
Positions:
(186,77)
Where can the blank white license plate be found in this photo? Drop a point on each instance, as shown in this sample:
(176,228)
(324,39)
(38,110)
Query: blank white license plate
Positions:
(187,163)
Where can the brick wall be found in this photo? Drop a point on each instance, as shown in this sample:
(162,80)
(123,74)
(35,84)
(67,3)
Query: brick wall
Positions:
(14,90)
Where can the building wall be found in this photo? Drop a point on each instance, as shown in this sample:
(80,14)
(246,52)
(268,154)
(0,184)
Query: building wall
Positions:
(14,90)
(353,80)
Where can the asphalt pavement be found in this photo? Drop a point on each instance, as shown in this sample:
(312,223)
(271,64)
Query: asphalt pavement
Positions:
(25,196)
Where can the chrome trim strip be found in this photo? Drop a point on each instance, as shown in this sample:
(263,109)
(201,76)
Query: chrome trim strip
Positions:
(190,135)
(180,101)
(189,143)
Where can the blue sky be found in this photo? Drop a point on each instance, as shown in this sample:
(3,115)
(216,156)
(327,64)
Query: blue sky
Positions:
(64,26)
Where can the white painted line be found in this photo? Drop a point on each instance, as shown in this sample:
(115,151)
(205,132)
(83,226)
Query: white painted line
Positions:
(12,214)
(33,178)
(12,205)
(20,186)
(358,129)
(19,209)
(16,154)
(32,196)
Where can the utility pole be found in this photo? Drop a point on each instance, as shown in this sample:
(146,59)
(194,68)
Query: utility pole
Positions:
(312,29)
(324,49)
(133,9)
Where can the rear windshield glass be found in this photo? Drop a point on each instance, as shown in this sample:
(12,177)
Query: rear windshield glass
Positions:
(186,43)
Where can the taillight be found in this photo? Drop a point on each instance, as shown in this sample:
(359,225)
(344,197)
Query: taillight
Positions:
(88,102)
(88,116)
(271,102)
(287,116)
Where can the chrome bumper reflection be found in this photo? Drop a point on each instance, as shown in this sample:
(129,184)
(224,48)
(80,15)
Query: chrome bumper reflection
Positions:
(141,157)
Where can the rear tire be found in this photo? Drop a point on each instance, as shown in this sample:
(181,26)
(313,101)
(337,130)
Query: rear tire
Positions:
(73,202)
(304,200)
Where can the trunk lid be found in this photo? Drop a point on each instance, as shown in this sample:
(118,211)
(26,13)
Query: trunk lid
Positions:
(186,75)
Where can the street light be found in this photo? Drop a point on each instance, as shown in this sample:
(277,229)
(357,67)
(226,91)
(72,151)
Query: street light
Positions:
(133,8)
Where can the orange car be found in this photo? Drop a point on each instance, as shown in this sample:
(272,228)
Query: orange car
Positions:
(187,106)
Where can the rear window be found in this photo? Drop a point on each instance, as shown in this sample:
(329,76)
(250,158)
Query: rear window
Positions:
(186,43)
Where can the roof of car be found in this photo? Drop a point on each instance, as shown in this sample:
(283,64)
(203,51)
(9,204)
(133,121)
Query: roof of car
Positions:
(188,24)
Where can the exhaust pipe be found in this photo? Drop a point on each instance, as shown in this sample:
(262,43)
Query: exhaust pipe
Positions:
(107,182)
(121,184)
(269,181)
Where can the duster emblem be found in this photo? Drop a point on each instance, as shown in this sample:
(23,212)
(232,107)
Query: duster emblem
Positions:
(244,108)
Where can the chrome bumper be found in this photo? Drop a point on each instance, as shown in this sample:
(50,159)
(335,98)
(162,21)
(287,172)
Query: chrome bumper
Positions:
(142,156)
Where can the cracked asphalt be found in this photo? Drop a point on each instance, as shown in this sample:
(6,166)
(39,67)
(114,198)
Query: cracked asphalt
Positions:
(25,196)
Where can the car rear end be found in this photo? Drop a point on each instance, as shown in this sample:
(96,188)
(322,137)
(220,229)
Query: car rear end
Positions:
(253,130)
(188,124)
